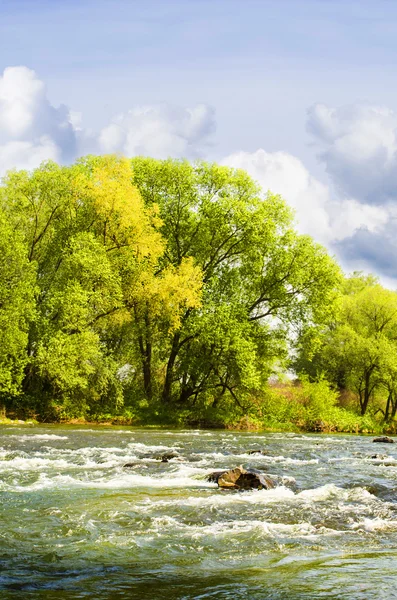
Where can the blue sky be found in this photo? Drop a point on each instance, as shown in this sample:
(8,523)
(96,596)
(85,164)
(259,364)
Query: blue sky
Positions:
(309,84)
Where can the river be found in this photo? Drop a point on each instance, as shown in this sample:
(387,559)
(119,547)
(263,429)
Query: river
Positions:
(76,523)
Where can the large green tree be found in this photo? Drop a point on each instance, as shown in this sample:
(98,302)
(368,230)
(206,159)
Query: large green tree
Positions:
(260,278)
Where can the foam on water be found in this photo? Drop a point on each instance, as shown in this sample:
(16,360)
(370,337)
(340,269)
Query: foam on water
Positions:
(222,528)
(120,481)
(196,433)
(376,524)
(262,458)
(152,448)
(38,437)
(27,464)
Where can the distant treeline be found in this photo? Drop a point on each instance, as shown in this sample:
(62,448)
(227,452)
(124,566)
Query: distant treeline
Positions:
(167,291)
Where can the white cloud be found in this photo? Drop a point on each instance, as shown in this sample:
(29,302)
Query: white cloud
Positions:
(160,131)
(349,215)
(29,123)
(284,174)
(358,145)
(33,130)
(27,155)
(318,213)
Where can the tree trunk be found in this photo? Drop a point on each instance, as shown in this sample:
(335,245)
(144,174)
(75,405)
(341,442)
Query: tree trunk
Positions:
(394,408)
(166,395)
(186,393)
(388,407)
(367,392)
(147,371)
(145,347)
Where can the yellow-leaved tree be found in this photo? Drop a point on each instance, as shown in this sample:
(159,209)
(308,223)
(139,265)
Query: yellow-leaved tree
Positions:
(155,294)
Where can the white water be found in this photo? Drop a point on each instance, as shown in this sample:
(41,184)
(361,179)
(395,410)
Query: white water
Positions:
(75,519)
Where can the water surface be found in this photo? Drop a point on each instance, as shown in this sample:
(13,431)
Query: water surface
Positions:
(75,523)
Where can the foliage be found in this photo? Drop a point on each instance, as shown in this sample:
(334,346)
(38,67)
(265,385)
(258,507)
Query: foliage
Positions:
(260,279)
(357,350)
(17,281)
(311,406)
(165,291)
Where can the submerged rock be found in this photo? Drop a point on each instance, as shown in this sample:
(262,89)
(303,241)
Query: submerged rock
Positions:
(240,478)
(382,491)
(167,456)
(163,457)
(263,452)
(384,439)
(289,482)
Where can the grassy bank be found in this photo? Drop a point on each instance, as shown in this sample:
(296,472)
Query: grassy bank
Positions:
(304,407)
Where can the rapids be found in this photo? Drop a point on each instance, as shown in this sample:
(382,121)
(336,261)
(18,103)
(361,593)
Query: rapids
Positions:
(75,523)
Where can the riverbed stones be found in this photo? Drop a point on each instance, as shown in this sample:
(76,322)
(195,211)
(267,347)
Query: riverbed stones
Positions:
(240,478)
(384,439)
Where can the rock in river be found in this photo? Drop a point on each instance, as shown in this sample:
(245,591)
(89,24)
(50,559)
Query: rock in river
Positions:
(240,478)
(167,456)
(213,477)
(384,439)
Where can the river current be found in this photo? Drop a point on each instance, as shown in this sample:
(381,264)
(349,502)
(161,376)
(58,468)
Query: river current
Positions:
(76,523)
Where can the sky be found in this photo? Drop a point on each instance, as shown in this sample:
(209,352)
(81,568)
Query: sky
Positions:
(300,93)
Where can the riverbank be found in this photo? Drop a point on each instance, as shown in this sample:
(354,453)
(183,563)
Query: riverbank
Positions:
(245,425)
(291,407)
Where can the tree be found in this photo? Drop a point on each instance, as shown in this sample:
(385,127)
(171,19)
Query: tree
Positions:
(357,350)
(260,278)
(85,228)
(17,286)
(388,379)
(155,293)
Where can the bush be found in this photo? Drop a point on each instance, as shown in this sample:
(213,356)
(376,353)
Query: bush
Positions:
(311,406)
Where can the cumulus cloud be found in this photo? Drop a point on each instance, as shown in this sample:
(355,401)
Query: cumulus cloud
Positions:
(349,215)
(160,131)
(284,174)
(358,145)
(33,130)
(318,213)
(27,155)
